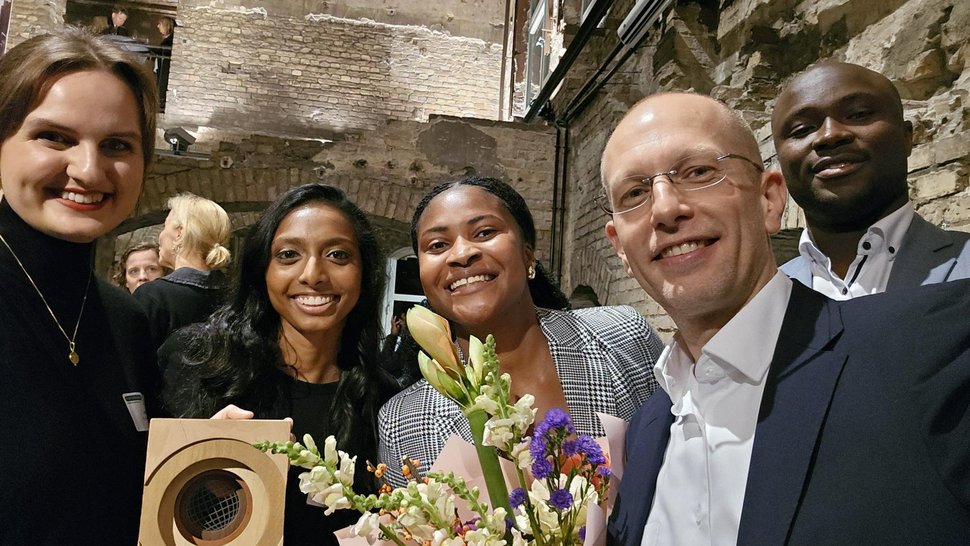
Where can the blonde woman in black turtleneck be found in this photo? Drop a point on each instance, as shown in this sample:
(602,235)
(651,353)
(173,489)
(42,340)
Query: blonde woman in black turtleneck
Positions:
(75,368)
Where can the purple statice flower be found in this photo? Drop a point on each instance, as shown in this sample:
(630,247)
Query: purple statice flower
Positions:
(570,448)
(537,448)
(561,499)
(603,471)
(557,418)
(589,447)
(582,533)
(541,468)
(517,497)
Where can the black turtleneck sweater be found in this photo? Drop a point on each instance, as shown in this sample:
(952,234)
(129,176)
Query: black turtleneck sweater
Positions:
(71,461)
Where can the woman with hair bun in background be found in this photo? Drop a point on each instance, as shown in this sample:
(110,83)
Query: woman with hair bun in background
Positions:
(192,245)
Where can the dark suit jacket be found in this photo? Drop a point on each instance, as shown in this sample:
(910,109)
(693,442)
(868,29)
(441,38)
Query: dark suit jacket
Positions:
(927,255)
(863,434)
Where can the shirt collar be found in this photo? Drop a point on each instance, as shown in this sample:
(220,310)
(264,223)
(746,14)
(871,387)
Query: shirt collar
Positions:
(746,343)
(886,235)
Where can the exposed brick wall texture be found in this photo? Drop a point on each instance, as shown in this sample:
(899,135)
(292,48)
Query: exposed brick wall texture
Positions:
(386,172)
(284,75)
(30,18)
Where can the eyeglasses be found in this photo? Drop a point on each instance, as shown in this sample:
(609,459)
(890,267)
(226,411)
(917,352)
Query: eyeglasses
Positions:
(692,174)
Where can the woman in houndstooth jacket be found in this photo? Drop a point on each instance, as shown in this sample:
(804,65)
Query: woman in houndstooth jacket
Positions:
(475,241)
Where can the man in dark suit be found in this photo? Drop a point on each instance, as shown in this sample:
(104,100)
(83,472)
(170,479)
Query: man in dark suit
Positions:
(119,16)
(785,417)
(843,146)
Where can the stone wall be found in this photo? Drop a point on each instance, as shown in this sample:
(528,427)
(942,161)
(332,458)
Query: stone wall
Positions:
(30,18)
(742,53)
(276,69)
(386,172)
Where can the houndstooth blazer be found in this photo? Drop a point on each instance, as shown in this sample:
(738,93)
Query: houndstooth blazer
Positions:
(604,357)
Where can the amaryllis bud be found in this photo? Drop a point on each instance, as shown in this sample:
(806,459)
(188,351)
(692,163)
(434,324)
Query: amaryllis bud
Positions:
(433,334)
(476,354)
(439,379)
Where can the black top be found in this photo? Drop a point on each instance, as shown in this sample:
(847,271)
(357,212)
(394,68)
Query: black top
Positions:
(71,460)
(308,404)
(184,296)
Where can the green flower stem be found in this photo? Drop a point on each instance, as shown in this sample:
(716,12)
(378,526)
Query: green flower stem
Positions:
(391,534)
(498,492)
(537,532)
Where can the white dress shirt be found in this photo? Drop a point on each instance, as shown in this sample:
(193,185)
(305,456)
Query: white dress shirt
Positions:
(869,272)
(700,488)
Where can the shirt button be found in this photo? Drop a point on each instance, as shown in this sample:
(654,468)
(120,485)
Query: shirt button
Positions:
(866,245)
(892,250)
(845,291)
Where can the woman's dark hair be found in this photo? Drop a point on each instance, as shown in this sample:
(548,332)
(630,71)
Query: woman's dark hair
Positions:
(237,351)
(545,293)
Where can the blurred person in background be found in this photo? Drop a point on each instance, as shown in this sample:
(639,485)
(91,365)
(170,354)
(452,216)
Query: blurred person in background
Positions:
(192,245)
(138,265)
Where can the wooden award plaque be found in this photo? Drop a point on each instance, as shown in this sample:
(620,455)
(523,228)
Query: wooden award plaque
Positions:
(205,484)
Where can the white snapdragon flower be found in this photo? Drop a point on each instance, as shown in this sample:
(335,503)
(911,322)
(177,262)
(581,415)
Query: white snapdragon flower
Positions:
(437,495)
(548,516)
(416,522)
(521,454)
(523,414)
(345,473)
(495,522)
(368,526)
(330,450)
(333,498)
(481,537)
(316,480)
(443,537)
(498,433)
(486,403)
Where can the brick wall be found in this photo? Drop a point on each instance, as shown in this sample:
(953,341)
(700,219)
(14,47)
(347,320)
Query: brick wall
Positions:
(30,18)
(259,70)
(742,54)
(386,172)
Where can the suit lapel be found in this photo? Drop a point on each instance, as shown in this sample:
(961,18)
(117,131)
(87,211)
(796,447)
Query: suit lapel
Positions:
(922,257)
(646,445)
(801,382)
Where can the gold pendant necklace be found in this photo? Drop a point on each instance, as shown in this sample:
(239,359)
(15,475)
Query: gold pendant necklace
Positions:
(72,355)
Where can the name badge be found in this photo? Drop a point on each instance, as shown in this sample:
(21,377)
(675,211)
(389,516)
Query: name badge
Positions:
(136,408)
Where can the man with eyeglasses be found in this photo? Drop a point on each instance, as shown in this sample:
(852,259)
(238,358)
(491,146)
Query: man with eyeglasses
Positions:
(784,416)
(843,146)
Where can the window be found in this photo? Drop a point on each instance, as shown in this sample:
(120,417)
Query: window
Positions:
(403,285)
(537,52)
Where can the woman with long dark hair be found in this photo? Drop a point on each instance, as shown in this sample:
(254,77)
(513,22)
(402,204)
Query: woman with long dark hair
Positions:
(298,338)
(475,240)
(77,133)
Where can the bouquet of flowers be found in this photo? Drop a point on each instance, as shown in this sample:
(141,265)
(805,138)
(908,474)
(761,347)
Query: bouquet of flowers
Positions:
(560,474)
